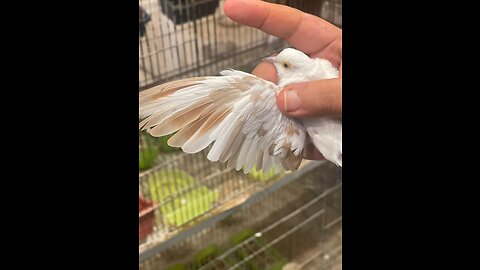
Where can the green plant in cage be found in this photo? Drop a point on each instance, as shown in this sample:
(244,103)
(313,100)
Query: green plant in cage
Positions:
(146,158)
(148,152)
(151,147)
(210,256)
(178,267)
(168,182)
(241,236)
(269,259)
(206,255)
(186,206)
(225,263)
(179,195)
(262,176)
(163,144)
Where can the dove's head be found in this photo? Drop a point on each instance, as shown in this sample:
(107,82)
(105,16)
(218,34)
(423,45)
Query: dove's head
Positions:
(292,65)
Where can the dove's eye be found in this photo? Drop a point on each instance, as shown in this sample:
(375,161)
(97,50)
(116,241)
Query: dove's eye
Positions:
(286,65)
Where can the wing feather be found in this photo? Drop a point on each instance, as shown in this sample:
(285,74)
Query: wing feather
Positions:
(237,112)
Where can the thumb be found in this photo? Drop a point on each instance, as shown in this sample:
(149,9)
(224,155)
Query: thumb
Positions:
(315,98)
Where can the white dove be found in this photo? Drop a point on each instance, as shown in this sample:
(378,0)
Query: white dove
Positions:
(237,112)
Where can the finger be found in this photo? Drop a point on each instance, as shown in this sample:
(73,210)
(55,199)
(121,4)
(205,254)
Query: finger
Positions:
(315,98)
(266,71)
(305,32)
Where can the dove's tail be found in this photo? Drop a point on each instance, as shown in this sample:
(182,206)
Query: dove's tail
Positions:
(326,135)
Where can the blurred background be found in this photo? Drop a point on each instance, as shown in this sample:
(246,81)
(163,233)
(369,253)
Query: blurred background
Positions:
(197,214)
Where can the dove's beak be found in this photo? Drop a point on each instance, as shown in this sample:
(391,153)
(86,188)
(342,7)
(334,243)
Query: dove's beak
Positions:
(270,59)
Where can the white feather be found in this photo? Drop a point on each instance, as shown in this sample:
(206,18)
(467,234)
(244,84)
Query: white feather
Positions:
(223,134)
(243,153)
(197,143)
(251,156)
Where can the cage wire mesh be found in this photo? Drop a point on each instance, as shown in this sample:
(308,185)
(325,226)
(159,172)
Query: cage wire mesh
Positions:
(183,38)
(185,189)
(296,226)
(178,191)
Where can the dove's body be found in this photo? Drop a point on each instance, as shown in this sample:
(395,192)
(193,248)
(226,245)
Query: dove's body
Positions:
(324,132)
(238,112)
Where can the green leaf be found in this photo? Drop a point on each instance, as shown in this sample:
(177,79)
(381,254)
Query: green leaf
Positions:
(189,205)
(206,254)
(260,175)
(168,182)
(147,156)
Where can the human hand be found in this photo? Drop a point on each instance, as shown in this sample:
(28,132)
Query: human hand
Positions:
(310,34)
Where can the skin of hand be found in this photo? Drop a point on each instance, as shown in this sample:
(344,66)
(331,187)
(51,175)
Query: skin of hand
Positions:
(308,33)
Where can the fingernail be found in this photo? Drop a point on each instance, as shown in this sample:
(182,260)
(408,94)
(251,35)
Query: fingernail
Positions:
(291,100)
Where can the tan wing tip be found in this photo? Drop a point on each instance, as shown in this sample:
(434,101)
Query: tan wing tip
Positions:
(165,89)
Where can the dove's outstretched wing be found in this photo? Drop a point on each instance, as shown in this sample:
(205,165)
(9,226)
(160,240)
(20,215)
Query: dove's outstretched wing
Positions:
(237,112)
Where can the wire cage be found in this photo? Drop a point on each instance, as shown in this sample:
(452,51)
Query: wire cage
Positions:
(187,188)
(198,214)
(292,224)
(183,38)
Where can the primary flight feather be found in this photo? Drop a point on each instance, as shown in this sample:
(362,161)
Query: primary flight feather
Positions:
(238,114)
